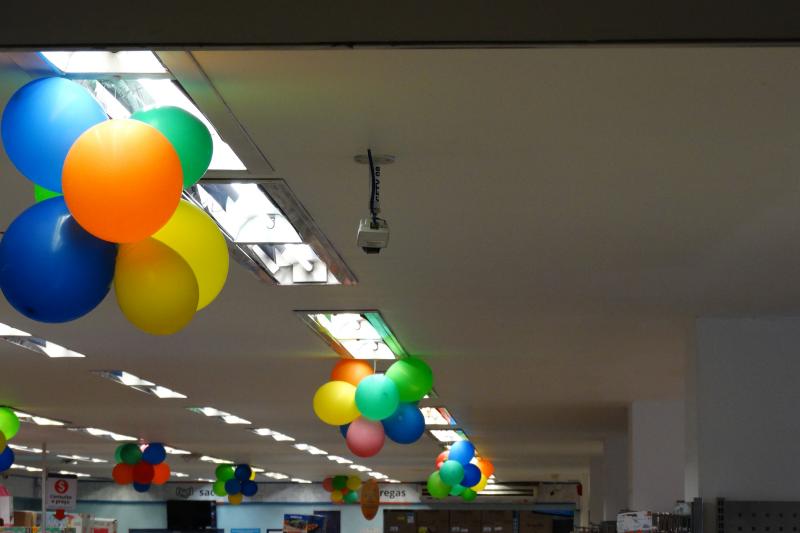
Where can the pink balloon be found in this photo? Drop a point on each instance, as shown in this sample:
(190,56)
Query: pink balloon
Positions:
(365,437)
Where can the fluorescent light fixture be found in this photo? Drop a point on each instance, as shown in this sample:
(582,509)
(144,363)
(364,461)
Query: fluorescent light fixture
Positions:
(121,97)
(205,480)
(81,459)
(276,475)
(139,384)
(448,435)
(26,468)
(102,62)
(216,413)
(313,450)
(272,232)
(256,469)
(38,420)
(266,432)
(300,480)
(360,335)
(378,475)
(176,451)
(35,344)
(392,481)
(76,474)
(215,460)
(437,416)
(105,434)
(339,460)
(361,468)
(180,474)
(26,449)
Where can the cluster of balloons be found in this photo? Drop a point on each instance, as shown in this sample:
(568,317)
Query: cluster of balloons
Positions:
(459,473)
(109,207)
(343,489)
(9,426)
(141,467)
(235,483)
(369,407)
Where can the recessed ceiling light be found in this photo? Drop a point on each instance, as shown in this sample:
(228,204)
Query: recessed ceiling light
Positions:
(35,344)
(176,451)
(38,420)
(26,468)
(392,481)
(82,459)
(437,416)
(139,384)
(215,460)
(360,335)
(102,433)
(272,231)
(26,449)
(299,480)
(361,468)
(340,460)
(378,475)
(76,474)
(313,450)
(276,475)
(205,479)
(266,432)
(102,62)
(180,474)
(216,413)
(448,435)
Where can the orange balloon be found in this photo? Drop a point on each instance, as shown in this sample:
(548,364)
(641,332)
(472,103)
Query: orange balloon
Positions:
(486,467)
(351,371)
(161,474)
(122,180)
(123,474)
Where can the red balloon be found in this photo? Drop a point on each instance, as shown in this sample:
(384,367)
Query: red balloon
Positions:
(365,438)
(441,458)
(327,484)
(60,514)
(161,473)
(123,474)
(345,491)
(143,473)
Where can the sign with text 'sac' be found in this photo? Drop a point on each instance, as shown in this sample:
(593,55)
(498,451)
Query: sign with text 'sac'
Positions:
(62,493)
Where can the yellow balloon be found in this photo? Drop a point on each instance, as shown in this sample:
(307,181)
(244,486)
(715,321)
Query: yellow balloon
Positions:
(235,499)
(156,289)
(196,238)
(335,403)
(337,496)
(252,475)
(353,483)
(3,441)
(481,484)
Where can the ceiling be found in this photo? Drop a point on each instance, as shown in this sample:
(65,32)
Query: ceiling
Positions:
(558,219)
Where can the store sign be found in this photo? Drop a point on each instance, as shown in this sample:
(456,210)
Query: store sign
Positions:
(392,493)
(61,493)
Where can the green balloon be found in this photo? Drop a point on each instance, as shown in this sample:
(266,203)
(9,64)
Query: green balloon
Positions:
(377,397)
(451,472)
(457,490)
(437,488)
(469,495)
(413,377)
(188,135)
(118,453)
(224,473)
(340,482)
(351,497)
(9,423)
(130,453)
(219,488)
(40,193)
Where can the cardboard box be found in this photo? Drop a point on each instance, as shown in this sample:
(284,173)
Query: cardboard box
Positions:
(399,522)
(530,522)
(432,521)
(25,519)
(465,522)
(497,521)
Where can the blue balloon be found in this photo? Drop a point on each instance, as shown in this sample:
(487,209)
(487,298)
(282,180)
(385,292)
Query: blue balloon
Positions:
(40,123)
(155,453)
(6,459)
(472,476)
(233,486)
(343,430)
(243,473)
(249,488)
(141,487)
(406,425)
(462,451)
(51,269)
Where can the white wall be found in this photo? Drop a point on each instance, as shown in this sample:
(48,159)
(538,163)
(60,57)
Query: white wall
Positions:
(657,457)
(748,395)
(596,488)
(615,475)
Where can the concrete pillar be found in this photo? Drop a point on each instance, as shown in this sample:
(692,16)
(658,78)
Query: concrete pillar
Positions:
(747,396)
(615,475)
(657,459)
(596,488)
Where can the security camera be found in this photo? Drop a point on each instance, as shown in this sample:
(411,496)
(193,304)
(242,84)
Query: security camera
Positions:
(373,235)
(373,231)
